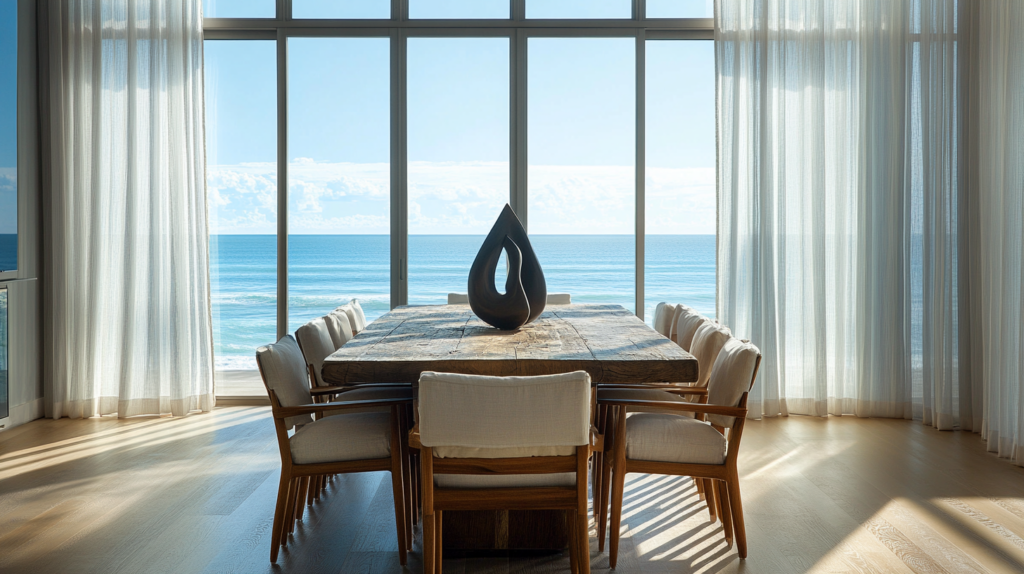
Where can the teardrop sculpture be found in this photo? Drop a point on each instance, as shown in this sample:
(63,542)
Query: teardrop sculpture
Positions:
(524,275)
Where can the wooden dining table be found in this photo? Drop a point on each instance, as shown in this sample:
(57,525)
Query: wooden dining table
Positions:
(607,341)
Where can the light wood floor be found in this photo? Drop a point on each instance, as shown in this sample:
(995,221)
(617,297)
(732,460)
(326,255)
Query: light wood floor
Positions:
(196,494)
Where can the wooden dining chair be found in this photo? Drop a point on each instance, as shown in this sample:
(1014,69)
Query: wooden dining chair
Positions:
(359,318)
(339,327)
(559,299)
(316,344)
(706,345)
(336,444)
(505,443)
(667,442)
(458,299)
(663,314)
(673,320)
(687,323)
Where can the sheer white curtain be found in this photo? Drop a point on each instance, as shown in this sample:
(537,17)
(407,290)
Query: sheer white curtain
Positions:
(128,318)
(838,192)
(997,170)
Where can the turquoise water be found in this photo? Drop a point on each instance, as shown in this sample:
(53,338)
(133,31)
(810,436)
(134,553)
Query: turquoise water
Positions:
(325,271)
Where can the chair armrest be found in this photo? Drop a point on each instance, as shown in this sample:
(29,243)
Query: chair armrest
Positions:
(286,412)
(596,440)
(414,438)
(339,389)
(679,407)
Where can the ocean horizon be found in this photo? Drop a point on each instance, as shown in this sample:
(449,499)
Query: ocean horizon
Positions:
(325,271)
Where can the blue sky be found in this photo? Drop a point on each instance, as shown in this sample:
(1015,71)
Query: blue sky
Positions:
(581,135)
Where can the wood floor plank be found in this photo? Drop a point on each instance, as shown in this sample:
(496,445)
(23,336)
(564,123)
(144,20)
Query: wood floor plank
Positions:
(197,494)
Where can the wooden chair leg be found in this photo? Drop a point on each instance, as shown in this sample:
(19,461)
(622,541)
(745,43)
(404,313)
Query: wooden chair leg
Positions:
(438,541)
(289,511)
(574,547)
(607,458)
(700,487)
(733,484)
(283,490)
(583,541)
(709,494)
(397,486)
(725,511)
(429,549)
(618,488)
(300,502)
(311,490)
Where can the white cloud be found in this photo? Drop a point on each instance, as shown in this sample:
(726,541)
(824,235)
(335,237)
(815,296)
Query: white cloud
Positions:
(458,198)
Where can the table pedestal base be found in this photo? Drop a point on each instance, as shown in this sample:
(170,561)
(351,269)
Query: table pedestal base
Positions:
(505,530)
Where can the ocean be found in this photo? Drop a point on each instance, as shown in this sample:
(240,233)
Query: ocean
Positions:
(325,271)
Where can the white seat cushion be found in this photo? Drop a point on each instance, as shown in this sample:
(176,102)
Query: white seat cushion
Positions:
(707,343)
(672,438)
(360,318)
(731,376)
(339,327)
(458,299)
(504,480)
(559,299)
(284,372)
(359,436)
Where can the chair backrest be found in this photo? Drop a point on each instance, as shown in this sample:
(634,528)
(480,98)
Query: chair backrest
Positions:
(284,372)
(687,323)
(662,315)
(559,299)
(528,414)
(731,376)
(316,344)
(339,327)
(351,314)
(673,321)
(360,318)
(458,299)
(707,344)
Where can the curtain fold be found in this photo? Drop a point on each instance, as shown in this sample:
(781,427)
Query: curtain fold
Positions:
(129,328)
(1000,232)
(837,190)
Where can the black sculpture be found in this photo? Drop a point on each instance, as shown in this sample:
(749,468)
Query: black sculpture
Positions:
(526,292)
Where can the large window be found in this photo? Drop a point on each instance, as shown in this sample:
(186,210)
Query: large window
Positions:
(339,180)
(581,175)
(400,132)
(8,136)
(458,157)
(241,182)
(679,253)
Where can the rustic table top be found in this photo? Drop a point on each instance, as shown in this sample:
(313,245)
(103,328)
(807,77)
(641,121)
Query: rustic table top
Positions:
(607,341)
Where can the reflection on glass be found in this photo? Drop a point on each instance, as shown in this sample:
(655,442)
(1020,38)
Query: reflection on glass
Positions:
(581,166)
(4,389)
(339,176)
(459,9)
(241,179)
(458,98)
(680,8)
(8,136)
(579,9)
(239,8)
(356,9)
(679,262)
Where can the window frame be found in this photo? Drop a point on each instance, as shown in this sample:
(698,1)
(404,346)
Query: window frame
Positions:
(518,29)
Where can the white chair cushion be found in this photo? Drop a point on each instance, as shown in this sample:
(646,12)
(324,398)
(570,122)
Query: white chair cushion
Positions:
(731,376)
(339,327)
(559,299)
(504,480)
(360,317)
(359,436)
(686,327)
(504,412)
(510,452)
(672,438)
(661,317)
(350,314)
(707,343)
(458,299)
(673,321)
(316,343)
(284,372)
